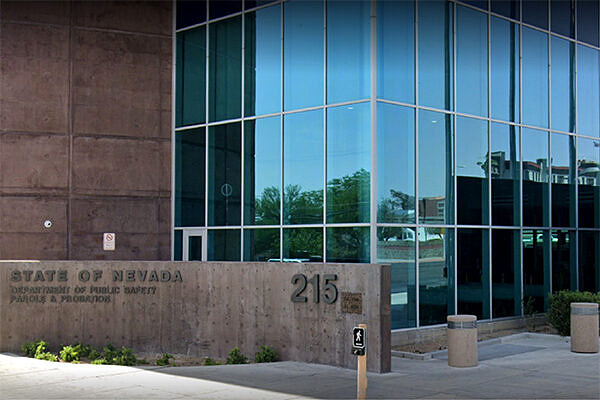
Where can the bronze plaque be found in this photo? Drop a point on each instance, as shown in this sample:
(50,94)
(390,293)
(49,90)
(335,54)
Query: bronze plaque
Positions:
(351,303)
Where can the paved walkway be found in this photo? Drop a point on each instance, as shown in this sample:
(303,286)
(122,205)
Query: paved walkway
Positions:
(523,366)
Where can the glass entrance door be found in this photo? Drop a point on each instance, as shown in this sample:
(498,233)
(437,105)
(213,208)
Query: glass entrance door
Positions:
(194,245)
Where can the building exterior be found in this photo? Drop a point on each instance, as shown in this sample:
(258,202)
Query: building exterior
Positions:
(457,140)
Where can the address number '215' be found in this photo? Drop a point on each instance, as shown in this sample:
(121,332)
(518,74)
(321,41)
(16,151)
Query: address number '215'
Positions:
(330,291)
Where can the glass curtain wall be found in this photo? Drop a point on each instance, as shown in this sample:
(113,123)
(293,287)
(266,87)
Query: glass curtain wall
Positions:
(457,141)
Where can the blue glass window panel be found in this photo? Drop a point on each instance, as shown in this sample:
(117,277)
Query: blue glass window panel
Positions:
(536,201)
(262,79)
(483,4)
(395,163)
(435,54)
(348,245)
(222,8)
(190,13)
(248,4)
(262,171)
(471,62)
(225,69)
(472,171)
(396,51)
(177,246)
(587,21)
(473,272)
(563,179)
(506,273)
(303,174)
(508,8)
(535,78)
(303,54)
(303,244)
(261,245)
(505,70)
(562,20)
(506,174)
(562,76)
(223,245)
(190,155)
(589,261)
(348,51)
(348,163)
(190,81)
(588,165)
(536,267)
(588,91)
(435,173)
(535,12)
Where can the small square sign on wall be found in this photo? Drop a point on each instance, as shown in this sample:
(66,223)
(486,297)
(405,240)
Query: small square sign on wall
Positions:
(108,241)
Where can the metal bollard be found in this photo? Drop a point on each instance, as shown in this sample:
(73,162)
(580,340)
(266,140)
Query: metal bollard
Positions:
(462,340)
(584,327)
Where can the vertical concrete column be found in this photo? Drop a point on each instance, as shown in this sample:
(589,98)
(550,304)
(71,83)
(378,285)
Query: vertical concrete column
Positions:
(584,327)
(462,340)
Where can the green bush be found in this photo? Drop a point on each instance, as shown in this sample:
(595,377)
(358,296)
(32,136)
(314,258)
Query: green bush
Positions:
(99,361)
(29,349)
(209,361)
(110,352)
(164,359)
(559,310)
(125,357)
(41,348)
(69,354)
(83,351)
(46,356)
(236,357)
(266,354)
(94,354)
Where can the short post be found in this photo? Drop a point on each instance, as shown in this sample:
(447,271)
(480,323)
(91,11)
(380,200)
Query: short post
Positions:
(462,340)
(359,348)
(584,327)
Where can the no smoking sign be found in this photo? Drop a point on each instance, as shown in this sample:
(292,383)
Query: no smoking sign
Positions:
(108,241)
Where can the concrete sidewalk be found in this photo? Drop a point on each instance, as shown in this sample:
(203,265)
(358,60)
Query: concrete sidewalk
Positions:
(523,366)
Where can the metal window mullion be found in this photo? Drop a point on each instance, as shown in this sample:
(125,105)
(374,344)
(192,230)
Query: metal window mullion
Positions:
(489,157)
(206,112)
(281,133)
(324,111)
(550,204)
(173,134)
(373,180)
(454,191)
(242,155)
(416,159)
(520,120)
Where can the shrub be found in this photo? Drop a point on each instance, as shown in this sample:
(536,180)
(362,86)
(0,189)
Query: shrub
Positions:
(83,351)
(99,361)
(266,354)
(94,354)
(125,356)
(164,359)
(559,311)
(236,357)
(69,354)
(209,361)
(29,349)
(110,352)
(46,356)
(41,348)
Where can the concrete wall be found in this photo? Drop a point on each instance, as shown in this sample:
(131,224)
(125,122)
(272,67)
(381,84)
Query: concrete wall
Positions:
(211,309)
(85,125)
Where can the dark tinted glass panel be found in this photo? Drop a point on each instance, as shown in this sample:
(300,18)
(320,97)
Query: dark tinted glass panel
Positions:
(504,37)
(535,78)
(190,153)
(536,268)
(396,51)
(190,100)
(589,261)
(248,4)
(435,54)
(348,51)
(508,8)
(535,178)
(483,4)
(506,273)
(395,163)
(194,248)
(587,21)
(224,174)
(348,245)
(262,73)
(396,246)
(303,168)
(436,275)
(588,91)
(535,12)
(471,62)
(178,246)
(564,271)
(348,163)
(588,179)
(262,171)
(261,245)
(223,245)
(225,69)
(435,174)
(472,171)
(190,12)
(563,179)
(303,244)
(303,54)
(473,274)
(563,17)
(221,8)
(562,78)
(506,174)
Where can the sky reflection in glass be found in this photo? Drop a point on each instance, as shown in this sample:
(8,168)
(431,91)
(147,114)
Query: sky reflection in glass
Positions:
(588,91)
(504,38)
(563,85)
(535,78)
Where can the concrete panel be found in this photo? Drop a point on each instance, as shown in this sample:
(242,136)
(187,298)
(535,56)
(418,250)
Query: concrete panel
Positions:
(33,246)
(35,78)
(119,215)
(211,309)
(50,12)
(155,17)
(27,215)
(128,246)
(34,161)
(115,166)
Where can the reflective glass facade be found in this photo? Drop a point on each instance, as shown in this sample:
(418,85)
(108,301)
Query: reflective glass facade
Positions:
(457,141)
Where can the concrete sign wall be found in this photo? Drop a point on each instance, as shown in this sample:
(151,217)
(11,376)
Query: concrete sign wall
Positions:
(304,311)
